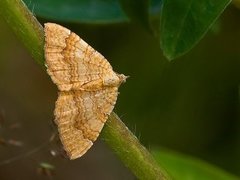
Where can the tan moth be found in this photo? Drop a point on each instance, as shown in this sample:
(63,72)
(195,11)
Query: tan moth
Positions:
(88,88)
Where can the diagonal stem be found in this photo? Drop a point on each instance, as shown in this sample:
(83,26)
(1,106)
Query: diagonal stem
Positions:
(25,26)
(115,133)
(127,147)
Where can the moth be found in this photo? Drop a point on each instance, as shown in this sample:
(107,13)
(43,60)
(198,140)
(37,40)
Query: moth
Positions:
(87,84)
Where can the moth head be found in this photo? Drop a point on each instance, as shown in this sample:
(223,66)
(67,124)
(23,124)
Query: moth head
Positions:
(114,80)
(122,78)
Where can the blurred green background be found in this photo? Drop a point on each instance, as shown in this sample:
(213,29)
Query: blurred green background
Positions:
(189,105)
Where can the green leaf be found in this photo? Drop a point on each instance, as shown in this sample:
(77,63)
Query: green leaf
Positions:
(88,11)
(185,167)
(83,11)
(138,11)
(184,23)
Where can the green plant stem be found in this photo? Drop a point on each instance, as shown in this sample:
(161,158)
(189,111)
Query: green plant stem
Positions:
(25,26)
(135,156)
(115,133)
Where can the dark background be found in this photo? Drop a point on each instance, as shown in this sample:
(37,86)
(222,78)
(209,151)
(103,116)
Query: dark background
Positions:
(190,105)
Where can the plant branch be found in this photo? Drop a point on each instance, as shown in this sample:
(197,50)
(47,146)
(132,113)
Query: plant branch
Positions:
(25,26)
(135,156)
(115,133)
